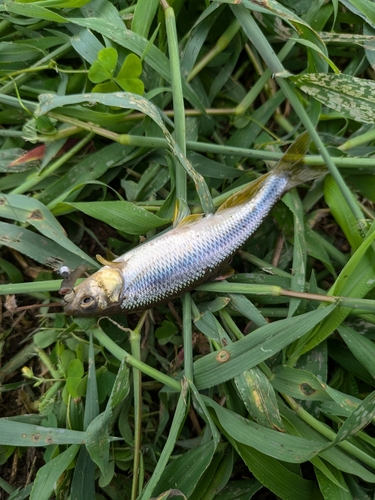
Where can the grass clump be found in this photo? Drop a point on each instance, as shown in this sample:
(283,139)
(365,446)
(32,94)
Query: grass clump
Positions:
(115,113)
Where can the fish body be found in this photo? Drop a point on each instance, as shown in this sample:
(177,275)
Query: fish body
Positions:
(193,252)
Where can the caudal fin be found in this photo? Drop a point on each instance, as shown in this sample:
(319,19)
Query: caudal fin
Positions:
(291,163)
(290,166)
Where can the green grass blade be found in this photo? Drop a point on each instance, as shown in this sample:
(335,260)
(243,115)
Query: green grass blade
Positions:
(356,279)
(178,419)
(134,101)
(121,387)
(324,469)
(293,202)
(144,14)
(31,10)
(21,434)
(98,440)
(216,476)
(243,489)
(256,36)
(360,417)
(251,350)
(275,476)
(259,398)
(202,409)
(178,98)
(121,354)
(336,456)
(350,96)
(21,494)
(187,334)
(91,405)
(339,209)
(270,442)
(30,211)
(49,474)
(299,384)
(41,249)
(121,215)
(253,386)
(361,347)
(247,308)
(185,472)
(330,489)
(83,481)
(90,168)
(197,36)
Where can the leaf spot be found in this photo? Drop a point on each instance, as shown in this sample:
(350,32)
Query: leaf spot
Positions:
(223,356)
(36,215)
(307,389)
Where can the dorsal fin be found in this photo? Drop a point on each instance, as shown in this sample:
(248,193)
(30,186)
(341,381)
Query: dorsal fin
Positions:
(244,195)
(109,263)
(189,219)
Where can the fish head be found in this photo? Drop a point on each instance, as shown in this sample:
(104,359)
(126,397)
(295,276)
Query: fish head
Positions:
(100,294)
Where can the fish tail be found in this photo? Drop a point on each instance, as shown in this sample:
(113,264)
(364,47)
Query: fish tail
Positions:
(290,166)
(291,163)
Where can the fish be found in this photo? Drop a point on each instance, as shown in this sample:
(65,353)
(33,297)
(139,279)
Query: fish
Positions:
(178,261)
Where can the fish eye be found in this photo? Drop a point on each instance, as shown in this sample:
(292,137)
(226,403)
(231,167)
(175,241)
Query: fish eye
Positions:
(87,301)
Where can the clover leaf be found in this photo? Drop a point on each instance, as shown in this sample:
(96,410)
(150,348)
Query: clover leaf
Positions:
(104,67)
(128,75)
(102,73)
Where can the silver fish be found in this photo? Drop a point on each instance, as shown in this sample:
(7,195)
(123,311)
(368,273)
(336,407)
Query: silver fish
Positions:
(193,252)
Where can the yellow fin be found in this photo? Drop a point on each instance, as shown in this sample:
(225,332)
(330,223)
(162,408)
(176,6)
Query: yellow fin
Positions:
(290,166)
(190,219)
(106,262)
(244,195)
(181,210)
(291,163)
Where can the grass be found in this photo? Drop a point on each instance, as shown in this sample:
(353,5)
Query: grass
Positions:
(118,118)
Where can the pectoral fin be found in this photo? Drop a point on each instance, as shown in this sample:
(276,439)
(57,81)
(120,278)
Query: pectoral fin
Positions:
(225,273)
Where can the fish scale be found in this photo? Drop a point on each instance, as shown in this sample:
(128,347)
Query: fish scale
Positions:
(178,260)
